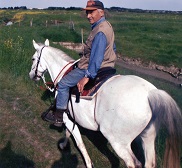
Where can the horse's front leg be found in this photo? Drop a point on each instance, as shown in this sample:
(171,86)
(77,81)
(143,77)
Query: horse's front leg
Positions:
(63,144)
(78,139)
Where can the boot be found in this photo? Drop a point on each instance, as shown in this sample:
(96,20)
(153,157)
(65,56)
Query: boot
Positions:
(55,117)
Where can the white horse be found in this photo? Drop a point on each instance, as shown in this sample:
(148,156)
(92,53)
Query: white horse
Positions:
(124,108)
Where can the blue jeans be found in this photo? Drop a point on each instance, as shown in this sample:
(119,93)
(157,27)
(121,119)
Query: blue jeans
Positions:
(70,80)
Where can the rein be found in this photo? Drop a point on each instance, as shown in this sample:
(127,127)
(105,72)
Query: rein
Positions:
(52,89)
(60,73)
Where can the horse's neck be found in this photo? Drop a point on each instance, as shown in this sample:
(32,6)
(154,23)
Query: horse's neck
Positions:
(55,68)
(56,60)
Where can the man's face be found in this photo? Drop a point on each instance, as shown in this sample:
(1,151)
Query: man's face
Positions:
(94,15)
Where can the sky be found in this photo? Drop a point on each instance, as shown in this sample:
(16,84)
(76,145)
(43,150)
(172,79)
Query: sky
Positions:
(172,5)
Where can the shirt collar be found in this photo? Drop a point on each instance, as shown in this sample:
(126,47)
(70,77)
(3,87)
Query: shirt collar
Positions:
(98,22)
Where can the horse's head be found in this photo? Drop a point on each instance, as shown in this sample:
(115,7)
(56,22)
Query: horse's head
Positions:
(38,63)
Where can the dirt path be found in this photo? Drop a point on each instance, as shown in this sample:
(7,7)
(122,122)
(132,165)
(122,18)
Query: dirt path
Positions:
(149,71)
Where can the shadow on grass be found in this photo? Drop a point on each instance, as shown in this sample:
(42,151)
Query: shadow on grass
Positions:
(9,159)
(67,159)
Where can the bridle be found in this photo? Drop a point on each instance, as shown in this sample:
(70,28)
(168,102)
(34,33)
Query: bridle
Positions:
(42,76)
(38,61)
(61,73)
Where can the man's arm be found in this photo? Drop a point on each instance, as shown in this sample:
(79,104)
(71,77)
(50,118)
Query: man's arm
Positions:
(99,45)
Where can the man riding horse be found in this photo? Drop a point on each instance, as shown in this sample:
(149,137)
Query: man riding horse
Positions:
(99,52)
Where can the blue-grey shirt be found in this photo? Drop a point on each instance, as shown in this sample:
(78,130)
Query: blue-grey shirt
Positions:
(98,48)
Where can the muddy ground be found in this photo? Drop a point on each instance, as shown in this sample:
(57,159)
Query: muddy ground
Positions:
(170,74)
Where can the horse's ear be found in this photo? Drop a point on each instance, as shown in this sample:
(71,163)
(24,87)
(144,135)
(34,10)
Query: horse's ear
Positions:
(36,46)
(47,42)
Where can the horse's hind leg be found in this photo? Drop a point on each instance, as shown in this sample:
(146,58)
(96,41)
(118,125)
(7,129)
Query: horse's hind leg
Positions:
(122,146)
(125,152)
(148,143)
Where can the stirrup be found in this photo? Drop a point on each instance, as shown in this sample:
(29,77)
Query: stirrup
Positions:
(51,107)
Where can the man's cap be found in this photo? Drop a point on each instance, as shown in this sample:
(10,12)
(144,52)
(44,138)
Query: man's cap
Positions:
(93,5)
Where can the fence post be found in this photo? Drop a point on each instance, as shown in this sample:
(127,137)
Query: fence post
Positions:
(71,24)
(46,23)
(31,22)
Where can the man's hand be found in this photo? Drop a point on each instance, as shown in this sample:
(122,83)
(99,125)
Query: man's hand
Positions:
(82,83)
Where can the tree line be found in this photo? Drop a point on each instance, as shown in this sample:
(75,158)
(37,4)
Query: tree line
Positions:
(118,9)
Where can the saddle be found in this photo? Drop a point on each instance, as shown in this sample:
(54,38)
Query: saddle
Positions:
(94,84)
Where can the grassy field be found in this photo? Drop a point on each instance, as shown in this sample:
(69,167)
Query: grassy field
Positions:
(27,141)
(152,37)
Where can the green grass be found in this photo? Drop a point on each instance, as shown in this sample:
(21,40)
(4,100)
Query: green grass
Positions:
(152,37)
(27,141)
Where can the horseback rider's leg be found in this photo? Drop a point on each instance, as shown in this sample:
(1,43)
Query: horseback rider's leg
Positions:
(64,85)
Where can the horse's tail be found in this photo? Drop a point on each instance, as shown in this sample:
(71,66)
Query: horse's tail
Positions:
(166,112)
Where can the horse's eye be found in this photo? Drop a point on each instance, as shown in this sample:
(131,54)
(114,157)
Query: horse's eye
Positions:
(33,59)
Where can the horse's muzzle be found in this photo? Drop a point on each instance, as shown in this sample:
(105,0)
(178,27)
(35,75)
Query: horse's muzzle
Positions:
(34,76)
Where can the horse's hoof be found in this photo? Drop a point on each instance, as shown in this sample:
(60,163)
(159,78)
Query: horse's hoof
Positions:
(61,146)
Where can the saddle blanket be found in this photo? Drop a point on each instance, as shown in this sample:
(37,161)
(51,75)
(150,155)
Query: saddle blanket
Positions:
(90,94)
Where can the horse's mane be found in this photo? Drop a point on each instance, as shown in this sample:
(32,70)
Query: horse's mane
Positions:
(58,52)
